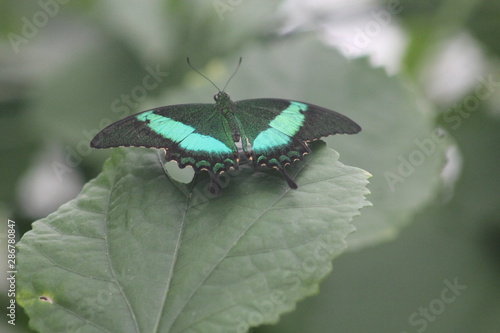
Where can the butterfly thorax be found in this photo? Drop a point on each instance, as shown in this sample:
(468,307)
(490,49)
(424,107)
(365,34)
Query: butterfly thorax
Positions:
(227,108)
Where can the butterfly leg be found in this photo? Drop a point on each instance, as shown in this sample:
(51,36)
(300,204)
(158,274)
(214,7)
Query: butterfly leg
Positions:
(215,186)
(289,180)
(306,148)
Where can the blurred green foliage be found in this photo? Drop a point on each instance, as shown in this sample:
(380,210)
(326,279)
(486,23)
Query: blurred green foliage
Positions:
(76,68)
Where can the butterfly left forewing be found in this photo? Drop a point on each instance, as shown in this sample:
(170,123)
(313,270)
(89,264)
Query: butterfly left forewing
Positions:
(192,134)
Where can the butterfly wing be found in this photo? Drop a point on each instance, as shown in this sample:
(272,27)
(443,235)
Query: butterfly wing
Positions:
(278,129)
(191,134)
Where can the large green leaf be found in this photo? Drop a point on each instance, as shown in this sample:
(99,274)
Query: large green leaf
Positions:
(135,252)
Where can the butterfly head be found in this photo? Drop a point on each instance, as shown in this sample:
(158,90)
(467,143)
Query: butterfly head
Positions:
(221,97)
(224,102)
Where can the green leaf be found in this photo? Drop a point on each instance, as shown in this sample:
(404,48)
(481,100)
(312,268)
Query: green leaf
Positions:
(134,253)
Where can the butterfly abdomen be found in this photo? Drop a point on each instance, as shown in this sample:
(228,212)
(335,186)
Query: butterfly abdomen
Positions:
(227,108)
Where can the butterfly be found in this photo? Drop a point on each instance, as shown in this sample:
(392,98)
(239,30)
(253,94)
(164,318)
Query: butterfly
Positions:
(272,132)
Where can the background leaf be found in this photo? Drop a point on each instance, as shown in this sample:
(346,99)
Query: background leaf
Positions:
(133,253)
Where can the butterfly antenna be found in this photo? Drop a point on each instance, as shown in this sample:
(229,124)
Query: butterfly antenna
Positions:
(237,67)
(197,71)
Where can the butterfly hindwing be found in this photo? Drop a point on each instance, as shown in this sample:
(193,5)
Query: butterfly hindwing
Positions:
(278,129)
(191,134)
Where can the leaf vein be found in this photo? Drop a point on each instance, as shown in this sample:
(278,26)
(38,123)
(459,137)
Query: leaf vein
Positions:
(209,273)
(112,269)
(171,273)
(63,267)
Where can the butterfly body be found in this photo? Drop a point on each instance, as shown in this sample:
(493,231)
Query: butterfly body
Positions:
(272,132)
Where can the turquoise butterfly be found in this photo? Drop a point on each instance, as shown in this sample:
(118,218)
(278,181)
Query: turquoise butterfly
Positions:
(273,132)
